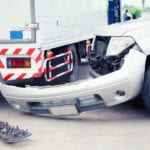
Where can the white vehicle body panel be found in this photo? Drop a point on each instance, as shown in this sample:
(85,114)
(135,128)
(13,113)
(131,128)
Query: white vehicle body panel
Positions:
(55,22)
(59,25)
(18,18)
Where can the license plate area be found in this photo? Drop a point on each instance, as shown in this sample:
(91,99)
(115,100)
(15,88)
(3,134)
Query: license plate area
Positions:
(64,108)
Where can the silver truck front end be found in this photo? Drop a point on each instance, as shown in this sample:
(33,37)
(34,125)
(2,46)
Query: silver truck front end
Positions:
(76,97)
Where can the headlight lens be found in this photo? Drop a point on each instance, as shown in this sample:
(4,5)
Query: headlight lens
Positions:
(118,44)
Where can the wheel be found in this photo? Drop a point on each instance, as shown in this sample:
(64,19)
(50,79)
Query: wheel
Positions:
(146,89)
(74,74)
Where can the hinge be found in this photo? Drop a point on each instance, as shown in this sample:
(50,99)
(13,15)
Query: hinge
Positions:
(26,27)
(33,26)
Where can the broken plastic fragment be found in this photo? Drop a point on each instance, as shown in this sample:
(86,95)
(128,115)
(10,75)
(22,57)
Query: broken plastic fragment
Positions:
(11,134)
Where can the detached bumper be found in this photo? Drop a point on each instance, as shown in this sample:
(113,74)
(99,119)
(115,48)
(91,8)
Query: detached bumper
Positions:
(68,99)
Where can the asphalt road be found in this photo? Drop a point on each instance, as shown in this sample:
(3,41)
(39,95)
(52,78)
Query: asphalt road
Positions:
(122,127)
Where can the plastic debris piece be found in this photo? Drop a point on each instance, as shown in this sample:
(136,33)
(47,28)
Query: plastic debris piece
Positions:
(11,134)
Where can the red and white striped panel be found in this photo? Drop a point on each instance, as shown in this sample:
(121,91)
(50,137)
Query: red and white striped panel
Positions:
(17,51)
(34,72)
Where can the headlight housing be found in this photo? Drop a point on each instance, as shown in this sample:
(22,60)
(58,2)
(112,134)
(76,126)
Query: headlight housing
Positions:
(118,44)
(112,57)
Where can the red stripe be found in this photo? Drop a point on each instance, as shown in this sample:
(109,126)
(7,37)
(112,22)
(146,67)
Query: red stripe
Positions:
(66,62)
(67,52)
(37,59)
(71,60)
(3,51)
(36,75)
(40,70)
(67,71)
(54,57)
(52,68)
(30,51)
(45,71)
(20,77)
(8,76)
(1,64)
(52,78)
(17,51)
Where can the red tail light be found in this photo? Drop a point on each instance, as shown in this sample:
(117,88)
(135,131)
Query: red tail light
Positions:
(18,63)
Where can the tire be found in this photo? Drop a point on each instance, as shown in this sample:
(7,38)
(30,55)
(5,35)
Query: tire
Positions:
(146,89)
(74,74)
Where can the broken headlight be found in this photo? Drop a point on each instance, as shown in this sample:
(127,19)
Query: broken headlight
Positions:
(112,59)
(118,44)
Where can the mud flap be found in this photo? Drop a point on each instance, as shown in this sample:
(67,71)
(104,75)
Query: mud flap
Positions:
(11,134)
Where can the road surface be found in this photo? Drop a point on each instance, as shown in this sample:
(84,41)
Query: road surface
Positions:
(122,127)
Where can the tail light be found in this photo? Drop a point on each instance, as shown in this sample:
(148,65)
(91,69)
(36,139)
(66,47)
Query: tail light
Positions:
(20,62)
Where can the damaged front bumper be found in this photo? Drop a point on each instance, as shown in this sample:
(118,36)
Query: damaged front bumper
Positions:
(76,97)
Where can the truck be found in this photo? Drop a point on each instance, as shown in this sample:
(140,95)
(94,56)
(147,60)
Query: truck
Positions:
(43,40)
(41,45)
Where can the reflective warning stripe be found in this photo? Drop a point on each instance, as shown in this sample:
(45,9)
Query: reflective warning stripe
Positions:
(1,64)
(8,76)
(30,51)
(3,51)
(17,51)
(35,75)
(12,74)
(21,76)
(37,59)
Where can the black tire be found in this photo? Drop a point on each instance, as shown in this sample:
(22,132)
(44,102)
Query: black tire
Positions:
(146,89)
(74,74)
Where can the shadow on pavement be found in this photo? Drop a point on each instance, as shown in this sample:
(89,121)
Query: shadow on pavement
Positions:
(3,102)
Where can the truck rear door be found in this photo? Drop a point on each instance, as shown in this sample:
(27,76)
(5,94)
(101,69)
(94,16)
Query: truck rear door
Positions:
(17,22)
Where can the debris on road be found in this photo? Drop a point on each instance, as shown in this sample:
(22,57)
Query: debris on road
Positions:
(11,134)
